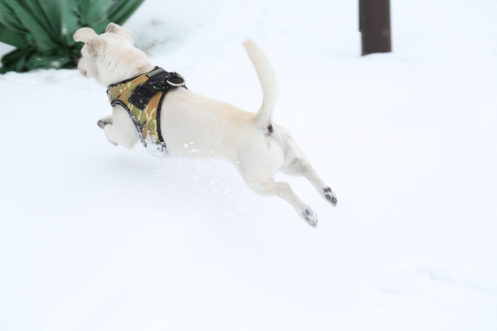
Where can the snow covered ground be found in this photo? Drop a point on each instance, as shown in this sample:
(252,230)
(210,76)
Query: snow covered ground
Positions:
(96,237)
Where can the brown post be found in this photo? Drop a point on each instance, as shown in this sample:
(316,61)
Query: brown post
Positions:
(374,24)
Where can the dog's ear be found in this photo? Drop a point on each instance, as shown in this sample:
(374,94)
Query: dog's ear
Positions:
(114,28)
(89,37)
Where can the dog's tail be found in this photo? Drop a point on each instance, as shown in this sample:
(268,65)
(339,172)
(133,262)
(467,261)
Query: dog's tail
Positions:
(268,83)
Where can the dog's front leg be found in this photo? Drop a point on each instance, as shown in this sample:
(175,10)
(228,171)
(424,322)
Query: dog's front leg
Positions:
(107,122)
(119,128)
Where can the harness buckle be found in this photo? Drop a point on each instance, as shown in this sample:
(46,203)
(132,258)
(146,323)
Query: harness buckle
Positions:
(155,72)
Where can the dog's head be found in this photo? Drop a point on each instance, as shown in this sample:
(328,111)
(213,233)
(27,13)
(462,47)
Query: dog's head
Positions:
(111,56)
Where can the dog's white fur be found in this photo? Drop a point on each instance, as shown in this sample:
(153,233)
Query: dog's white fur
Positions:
(217,129)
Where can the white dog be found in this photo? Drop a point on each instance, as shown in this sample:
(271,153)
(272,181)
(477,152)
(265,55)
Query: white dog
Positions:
(253,143)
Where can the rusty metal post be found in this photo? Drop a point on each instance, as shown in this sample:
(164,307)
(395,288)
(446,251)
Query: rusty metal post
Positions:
(374,24)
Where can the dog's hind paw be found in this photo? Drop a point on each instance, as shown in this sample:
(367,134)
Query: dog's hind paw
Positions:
(330,196)
(310,217)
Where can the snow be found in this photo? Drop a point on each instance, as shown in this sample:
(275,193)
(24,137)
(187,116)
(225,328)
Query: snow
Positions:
(96,237)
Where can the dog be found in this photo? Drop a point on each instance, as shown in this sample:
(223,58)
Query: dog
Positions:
(252,142)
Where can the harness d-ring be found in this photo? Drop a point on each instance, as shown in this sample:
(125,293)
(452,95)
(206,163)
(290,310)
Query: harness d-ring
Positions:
(177,85)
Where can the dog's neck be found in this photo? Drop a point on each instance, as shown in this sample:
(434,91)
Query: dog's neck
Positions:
(143,70)
(126,73)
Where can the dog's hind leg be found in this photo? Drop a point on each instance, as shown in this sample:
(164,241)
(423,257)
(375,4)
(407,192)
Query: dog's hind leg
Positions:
(257,161)
(296,164)
(301,167)
(283,190)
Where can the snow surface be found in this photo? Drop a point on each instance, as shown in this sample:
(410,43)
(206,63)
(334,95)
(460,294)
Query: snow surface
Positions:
(96,237)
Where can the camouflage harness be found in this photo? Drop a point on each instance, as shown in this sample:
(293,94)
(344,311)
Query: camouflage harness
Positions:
(142,98)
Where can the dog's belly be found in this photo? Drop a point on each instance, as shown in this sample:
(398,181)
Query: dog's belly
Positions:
(196,126)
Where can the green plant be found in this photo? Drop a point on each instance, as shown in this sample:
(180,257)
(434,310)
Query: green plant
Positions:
(42,29)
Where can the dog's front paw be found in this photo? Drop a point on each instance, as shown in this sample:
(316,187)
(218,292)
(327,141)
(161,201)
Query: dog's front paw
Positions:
(309,216)
(330,196)
(105,121)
